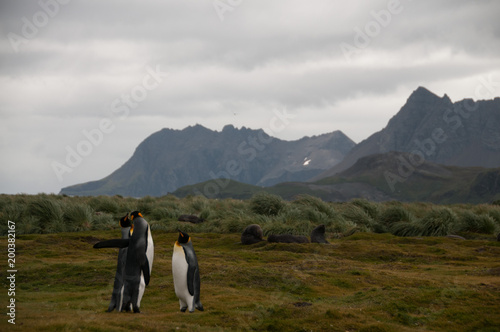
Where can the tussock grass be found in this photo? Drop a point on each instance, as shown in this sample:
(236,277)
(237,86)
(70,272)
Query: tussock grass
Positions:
(495,215)
(395,214)
(104,221)
(49,214)
(78,217)
(29,225)
(470,222)
(370,208)
(104,204)
(145,204)
(311,203)
(54,213)
(358,215)
(439,222)
(266,204)
(405,228)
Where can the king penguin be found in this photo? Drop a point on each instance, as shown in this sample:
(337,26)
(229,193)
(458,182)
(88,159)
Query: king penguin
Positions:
(117,296)
(139,261)
(186,274)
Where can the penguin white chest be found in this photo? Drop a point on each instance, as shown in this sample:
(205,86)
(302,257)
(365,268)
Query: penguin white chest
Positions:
(179,272)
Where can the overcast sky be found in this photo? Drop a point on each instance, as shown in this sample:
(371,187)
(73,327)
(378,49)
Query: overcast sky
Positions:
(122,70)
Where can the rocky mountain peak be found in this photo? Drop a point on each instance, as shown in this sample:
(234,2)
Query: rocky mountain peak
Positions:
(464,133)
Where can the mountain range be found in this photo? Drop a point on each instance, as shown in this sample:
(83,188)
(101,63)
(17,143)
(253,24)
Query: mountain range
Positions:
(431,140)
(169,159)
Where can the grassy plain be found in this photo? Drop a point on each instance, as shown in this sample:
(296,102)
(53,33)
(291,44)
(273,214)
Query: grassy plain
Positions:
(362,282)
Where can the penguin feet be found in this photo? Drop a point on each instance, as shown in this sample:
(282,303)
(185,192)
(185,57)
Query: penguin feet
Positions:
(111,307)
(198,306)
(127,307)
(183,309)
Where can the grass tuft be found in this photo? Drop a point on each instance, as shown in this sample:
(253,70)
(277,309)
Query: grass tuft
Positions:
(266,204)
(395,214)
(79,217)
(438,222)
(49,214)
(470,222)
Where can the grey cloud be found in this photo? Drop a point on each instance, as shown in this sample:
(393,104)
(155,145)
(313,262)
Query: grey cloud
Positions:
(266,54)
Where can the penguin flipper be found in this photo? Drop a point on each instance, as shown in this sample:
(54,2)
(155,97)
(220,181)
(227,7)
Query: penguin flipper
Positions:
(192,267)
(115,243)
(190,278)
(145,271)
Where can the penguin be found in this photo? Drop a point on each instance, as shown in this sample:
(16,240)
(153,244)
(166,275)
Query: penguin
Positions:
(186,274)
(117,295)
(139,261)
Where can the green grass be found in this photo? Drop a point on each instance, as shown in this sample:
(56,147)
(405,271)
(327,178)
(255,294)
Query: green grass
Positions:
(364,282)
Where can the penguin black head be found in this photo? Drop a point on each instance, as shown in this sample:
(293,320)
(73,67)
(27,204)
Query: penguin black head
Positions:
(183,237)
(125,221)
(135,214)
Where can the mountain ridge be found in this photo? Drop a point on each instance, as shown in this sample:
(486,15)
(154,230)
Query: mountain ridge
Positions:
(171,158)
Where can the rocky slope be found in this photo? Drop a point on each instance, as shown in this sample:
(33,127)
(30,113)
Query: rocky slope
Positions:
(465,133)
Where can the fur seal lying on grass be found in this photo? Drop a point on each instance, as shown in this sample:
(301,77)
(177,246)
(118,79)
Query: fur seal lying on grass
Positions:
(287,238)
(252,234)
(318,235)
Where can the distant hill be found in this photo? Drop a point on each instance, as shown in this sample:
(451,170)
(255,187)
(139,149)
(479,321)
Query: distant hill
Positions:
(465,133)
(380,177)
(169,159)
